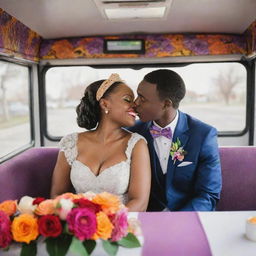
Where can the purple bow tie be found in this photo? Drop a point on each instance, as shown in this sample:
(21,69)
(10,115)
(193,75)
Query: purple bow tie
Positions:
(156,132)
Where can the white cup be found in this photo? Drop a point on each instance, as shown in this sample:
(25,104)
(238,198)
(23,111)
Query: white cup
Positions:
(250,229)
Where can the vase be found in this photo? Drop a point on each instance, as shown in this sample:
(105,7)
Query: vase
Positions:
(15,250)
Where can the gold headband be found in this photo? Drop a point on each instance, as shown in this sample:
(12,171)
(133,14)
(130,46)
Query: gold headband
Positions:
(106,84)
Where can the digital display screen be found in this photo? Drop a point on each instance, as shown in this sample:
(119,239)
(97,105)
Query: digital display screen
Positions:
(124,46)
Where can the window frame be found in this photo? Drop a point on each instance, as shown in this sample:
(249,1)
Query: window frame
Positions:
(31,144)
(249,105)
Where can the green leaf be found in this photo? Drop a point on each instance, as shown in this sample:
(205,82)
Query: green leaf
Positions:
(175,147)
(89,245)
(66,230)
(110,247)
(58,246)
(130,241)
(77,247)
(29,249)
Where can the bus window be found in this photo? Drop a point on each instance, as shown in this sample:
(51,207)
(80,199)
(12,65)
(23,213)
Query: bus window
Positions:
(15,128)
(216,93)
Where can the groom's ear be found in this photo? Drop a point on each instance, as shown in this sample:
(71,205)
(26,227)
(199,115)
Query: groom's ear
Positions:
(167,103)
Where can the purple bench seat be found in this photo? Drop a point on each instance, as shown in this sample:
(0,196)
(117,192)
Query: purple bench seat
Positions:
(30,174)
(239,178)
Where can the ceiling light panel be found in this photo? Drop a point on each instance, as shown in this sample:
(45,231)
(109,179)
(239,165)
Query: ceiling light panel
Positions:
(133,9)
(135,13)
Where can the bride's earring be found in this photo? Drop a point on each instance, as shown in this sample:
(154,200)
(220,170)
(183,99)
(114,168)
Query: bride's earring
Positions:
(106,111)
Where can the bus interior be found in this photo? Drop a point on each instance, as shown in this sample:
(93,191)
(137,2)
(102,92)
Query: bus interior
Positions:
(51,50)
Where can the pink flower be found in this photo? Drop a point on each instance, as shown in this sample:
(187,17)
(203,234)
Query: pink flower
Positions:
(178,156)
(120,222)
(177,152)
(5,231)
(82,222)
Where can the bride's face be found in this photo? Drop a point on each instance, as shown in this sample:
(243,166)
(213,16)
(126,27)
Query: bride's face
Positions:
(120,106)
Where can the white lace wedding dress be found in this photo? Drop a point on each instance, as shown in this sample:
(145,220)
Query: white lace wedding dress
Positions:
(114,179)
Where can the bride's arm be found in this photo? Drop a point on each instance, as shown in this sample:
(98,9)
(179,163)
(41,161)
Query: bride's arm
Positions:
(61,176)
(140,181)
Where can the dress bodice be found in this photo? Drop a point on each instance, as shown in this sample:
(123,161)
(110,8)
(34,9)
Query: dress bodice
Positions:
(114,179)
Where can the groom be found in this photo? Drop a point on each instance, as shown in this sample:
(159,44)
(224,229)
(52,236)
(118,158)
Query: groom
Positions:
(185,164)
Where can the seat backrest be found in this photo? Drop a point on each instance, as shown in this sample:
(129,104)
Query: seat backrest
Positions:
(238,178)
(29,174)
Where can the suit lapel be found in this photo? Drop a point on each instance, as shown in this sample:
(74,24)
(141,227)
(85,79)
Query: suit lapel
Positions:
(181,132)
(153,155)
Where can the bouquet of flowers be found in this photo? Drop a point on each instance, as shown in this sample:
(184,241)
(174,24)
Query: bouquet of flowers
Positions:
(69,222)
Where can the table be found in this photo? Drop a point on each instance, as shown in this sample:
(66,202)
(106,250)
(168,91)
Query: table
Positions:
(196,234)
(226,233)
(173,234)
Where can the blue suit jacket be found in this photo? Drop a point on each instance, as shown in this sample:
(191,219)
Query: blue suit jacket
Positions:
(195,187)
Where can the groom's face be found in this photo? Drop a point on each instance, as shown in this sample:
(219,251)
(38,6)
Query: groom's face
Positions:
(148,104)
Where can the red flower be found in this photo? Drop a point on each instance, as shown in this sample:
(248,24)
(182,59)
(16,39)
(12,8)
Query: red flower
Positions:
(50,225)
(5,231)
(38,200)
(85,203)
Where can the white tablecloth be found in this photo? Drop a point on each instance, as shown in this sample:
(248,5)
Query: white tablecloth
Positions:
(226,233)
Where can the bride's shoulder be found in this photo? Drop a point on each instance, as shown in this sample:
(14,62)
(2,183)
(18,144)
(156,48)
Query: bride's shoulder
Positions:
(68,145)
(68,140)
(135,136)
(138,136)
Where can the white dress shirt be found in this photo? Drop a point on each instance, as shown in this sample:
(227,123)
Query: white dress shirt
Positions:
(163,145)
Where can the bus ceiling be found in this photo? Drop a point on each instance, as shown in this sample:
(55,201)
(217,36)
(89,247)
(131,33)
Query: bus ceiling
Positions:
(147,31)
(65,18)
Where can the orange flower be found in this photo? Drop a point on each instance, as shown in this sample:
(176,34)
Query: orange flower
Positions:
(69,196)
(46,207)
(9,207)
(108,202)
(104,227)
(24,228)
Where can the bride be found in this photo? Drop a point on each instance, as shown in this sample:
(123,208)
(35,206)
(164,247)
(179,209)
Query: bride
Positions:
(108,158)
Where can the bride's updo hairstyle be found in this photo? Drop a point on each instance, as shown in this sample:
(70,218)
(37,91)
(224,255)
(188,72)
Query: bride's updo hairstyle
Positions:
(88,111)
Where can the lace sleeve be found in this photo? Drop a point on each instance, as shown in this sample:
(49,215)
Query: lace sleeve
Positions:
(132,142)
(68,146)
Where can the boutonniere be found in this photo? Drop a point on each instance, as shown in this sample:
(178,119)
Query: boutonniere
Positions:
(177,152)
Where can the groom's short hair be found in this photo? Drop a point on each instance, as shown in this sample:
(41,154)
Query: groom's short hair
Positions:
(169,85)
